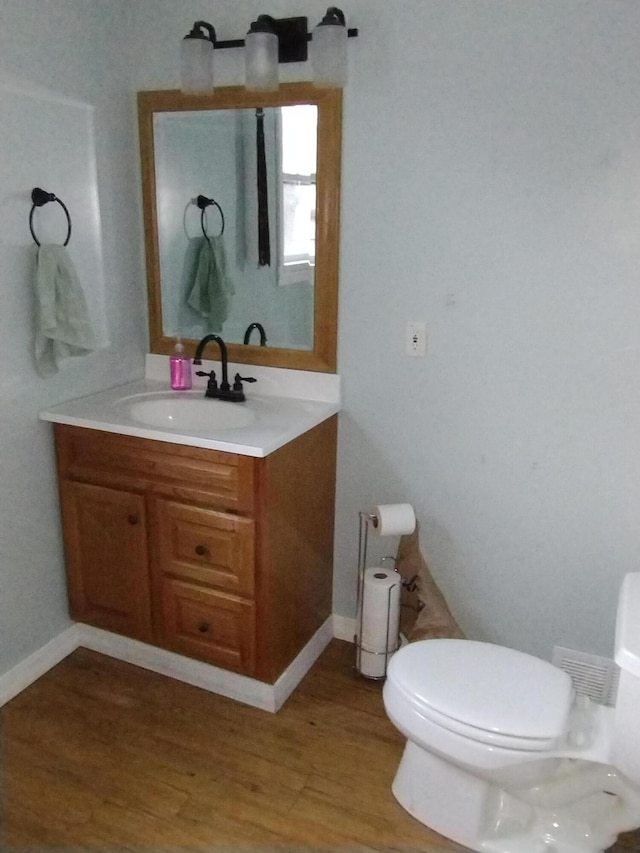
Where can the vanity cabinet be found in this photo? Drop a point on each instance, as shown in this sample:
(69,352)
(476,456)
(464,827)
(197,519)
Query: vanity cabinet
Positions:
(218,556)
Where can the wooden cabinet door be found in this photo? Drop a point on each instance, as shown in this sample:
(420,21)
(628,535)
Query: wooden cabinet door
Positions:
(107,560)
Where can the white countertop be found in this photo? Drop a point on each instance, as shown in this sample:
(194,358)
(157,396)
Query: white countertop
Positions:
(279,418)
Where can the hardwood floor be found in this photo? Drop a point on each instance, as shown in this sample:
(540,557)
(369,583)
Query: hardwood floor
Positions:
(102,755)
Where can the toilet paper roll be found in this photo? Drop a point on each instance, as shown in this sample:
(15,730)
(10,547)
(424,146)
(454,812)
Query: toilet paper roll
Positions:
(394,519)
(380,619)
(373,665)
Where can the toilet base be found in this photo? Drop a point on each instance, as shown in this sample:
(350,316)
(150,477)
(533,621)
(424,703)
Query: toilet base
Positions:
(478,814)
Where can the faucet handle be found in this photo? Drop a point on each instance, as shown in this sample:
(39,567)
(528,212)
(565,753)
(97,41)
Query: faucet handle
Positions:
(211,374)
(212,384)
(238,380)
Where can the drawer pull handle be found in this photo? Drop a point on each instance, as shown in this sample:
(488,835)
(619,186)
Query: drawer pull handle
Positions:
(201,550)
(133,518)
(203,627)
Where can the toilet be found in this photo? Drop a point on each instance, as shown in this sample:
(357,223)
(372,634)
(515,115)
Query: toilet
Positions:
(503,756)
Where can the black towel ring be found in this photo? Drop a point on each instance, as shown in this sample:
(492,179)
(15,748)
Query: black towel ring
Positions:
(40,197)
(203,203)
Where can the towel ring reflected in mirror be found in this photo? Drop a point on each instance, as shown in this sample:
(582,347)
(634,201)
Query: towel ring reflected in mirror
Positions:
(40,197)
(203,203)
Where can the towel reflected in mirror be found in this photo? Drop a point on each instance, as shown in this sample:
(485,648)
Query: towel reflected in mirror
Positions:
(208,286)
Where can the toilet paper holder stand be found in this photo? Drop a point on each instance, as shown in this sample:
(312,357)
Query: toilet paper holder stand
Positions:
(368,520)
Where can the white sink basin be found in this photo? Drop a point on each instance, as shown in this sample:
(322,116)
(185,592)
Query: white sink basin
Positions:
(186,411)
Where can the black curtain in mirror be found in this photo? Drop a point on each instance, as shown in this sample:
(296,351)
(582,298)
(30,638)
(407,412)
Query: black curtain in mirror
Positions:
(264,242)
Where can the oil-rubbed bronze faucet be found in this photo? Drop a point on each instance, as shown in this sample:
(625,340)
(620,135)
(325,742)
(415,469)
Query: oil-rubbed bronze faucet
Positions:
(223,391)
(260,328)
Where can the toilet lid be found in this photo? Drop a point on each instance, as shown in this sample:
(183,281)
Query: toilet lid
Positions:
(489,693)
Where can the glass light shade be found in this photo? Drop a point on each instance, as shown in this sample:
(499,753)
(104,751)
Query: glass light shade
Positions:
(261,60)
(328,51)
(196,67)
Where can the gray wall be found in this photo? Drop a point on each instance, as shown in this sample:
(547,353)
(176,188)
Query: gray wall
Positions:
(492,189)
(492,178)
(60,59)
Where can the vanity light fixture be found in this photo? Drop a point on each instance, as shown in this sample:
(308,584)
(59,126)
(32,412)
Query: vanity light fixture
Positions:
(329,50)
(261,55)
(196,59)
(269,42)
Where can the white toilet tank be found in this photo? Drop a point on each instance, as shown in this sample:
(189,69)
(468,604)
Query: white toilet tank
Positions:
(626,735)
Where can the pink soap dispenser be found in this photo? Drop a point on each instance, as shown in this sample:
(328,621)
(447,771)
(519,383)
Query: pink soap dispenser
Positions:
(180,368)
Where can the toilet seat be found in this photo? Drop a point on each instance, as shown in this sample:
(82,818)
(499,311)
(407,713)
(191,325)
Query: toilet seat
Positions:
(488,693)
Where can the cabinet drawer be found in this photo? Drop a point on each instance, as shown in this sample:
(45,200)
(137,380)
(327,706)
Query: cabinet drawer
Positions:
(208,624)
(138,464)
(206,546)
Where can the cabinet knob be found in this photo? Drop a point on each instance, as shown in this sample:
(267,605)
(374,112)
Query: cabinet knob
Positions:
(203,627)
(201,550)
(133,518)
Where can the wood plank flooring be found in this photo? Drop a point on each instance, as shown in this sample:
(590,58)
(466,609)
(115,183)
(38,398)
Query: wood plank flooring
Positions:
(101,755)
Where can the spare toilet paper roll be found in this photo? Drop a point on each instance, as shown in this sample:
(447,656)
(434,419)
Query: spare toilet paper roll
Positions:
(380,619)
(394,519)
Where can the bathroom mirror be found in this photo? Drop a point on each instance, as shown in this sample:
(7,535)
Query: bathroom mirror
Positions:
(241,196)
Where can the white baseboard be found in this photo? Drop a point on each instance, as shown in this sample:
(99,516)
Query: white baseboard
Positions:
(268,697)
(197,673)
(300,666)
(344,628)
(37,664)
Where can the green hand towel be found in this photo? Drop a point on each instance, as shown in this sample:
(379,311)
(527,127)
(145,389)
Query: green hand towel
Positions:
(63,326)
(211,290)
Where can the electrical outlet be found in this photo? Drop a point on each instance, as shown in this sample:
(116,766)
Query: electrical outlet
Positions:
(416,339)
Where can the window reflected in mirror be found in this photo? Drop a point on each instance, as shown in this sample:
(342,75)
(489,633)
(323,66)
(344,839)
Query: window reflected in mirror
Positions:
(298,146)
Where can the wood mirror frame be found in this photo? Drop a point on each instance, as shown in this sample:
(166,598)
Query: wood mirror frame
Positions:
(329,103)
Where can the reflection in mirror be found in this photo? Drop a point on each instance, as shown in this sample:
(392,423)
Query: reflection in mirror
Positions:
(241,194)
(230,269)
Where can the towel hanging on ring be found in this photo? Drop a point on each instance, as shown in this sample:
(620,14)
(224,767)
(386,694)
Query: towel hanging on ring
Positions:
(62,323)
